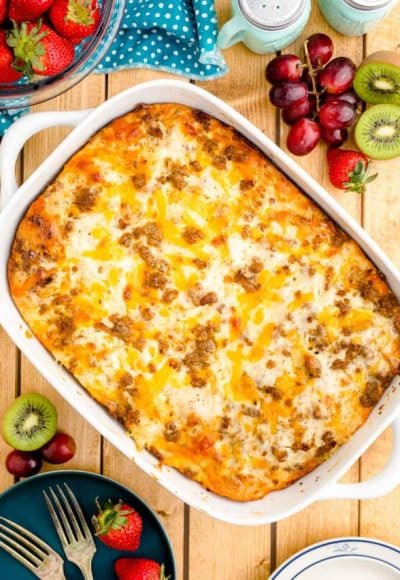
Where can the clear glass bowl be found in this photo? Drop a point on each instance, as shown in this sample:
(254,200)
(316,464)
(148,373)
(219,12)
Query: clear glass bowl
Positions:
(88,54)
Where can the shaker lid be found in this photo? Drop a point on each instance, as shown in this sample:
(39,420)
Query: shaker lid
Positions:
(272,14)
(368,4)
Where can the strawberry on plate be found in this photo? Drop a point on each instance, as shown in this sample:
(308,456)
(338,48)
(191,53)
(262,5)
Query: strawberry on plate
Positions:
(139,569)
(118,525)
(38,49)
(349,170)
(8,73)
(26,10)
(75,19)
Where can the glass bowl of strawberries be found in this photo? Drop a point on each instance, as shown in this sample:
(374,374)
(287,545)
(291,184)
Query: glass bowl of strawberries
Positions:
(48,46)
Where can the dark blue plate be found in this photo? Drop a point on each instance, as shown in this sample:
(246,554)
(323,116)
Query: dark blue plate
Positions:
(24,504)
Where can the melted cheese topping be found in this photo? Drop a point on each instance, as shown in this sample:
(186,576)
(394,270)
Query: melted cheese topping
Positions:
(193,290)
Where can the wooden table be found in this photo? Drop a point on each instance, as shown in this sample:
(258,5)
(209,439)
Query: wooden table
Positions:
(205,548)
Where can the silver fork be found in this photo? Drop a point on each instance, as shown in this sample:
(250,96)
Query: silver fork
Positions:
(30,551)
(72,529)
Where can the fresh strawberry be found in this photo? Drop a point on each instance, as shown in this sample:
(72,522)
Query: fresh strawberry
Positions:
(75,19)
(118,525)
(349,170)
(38,49)
(139,569)
(8,73)
(27,10)
(3,10)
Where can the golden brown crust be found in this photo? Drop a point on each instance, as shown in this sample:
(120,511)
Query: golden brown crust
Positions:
(237,333)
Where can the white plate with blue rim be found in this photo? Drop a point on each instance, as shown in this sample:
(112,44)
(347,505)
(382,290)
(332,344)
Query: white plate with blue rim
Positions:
(350,558)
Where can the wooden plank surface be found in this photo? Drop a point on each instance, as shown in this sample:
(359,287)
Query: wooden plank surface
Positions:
(9,362)
(207,549)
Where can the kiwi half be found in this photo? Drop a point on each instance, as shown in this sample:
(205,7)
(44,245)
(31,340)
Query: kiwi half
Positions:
(378,82)
(377,132)
(29,422)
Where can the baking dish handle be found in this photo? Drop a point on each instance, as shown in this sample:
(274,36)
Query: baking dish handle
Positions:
(378,485)
(19,133)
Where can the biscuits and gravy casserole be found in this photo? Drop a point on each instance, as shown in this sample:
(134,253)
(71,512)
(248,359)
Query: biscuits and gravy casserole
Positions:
(237,333)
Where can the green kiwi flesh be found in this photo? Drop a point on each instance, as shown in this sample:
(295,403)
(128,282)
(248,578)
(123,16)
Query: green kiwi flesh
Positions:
(29,422)
(377,133)
(378,83)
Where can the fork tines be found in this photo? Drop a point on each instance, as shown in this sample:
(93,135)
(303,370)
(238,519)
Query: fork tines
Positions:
(24,546)
(67,516)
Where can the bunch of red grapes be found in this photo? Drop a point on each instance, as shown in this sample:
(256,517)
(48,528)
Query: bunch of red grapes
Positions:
(316,97)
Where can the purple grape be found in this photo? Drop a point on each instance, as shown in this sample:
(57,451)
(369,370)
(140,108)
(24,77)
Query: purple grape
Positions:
(288,93)
(334,137)
(303,137)
(320,49)
(286,67)
(338,75)
(337,114)
(296,111)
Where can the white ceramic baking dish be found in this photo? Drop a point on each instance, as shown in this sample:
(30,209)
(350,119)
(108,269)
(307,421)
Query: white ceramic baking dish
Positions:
(319,484)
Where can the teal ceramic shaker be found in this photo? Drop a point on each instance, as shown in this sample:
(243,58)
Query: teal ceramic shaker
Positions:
(355,17)
(265,26)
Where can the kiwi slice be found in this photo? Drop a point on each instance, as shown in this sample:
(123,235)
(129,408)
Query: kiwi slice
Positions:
(29,422)
(378,82)
(377,132)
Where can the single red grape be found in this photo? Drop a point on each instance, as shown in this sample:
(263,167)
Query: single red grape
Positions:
(59,449)
(298,110)
(338,75)
(349,96)
(303,137)
(23,463)
(320,49)
(334,137)
(337,114)
(288,93)
(286,67)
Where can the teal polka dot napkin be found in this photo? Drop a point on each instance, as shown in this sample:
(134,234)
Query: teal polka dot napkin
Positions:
(7,118)
(176,36)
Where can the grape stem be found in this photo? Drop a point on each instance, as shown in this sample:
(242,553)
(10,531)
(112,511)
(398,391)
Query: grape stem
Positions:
(312,75)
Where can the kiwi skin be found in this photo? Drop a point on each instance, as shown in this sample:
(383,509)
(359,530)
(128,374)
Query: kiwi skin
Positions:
(384,56)
(29,422)
(377,80)
(377,132)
